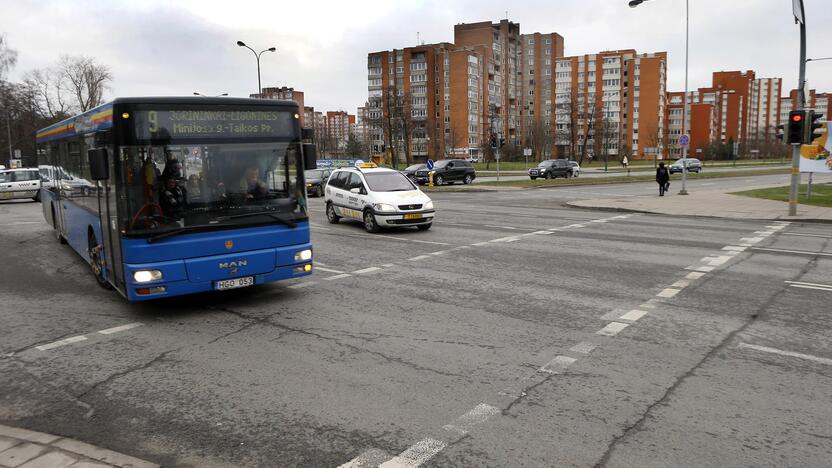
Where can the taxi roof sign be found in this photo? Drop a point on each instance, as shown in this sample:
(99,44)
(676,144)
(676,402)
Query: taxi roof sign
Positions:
(365,165)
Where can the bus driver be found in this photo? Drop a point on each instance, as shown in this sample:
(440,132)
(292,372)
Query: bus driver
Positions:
(252,186)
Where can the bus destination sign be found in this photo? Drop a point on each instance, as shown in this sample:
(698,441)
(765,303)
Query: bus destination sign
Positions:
(201,124)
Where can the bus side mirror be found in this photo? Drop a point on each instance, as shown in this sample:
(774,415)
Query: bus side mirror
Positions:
(310,156)
(99,167)
(307,133)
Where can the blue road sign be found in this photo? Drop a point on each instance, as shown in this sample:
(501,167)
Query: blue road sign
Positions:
(430,163)
(684,140)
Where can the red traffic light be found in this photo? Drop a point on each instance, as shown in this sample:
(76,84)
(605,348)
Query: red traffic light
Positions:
(797,118)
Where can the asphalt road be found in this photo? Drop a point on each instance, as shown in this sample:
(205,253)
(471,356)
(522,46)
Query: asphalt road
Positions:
(516,332)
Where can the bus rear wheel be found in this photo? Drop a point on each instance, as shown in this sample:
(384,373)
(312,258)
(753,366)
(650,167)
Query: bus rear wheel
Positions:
(96,261)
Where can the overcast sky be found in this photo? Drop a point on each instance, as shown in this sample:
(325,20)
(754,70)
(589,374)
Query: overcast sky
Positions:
(164,47)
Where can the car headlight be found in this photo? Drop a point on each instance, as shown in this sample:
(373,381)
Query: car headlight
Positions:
(383,207)
(146,276)
(303,255)
(428,205)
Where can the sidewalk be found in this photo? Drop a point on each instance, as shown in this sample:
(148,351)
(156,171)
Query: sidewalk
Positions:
(28,449)
(710,203)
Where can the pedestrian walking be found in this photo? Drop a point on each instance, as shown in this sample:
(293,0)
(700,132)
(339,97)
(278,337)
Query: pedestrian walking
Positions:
(626,163)
(663,179)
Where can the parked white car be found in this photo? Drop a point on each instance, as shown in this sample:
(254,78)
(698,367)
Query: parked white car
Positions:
(576,168)
(378,197)
(20,183)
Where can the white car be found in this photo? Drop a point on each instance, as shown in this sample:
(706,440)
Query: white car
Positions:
(377,197)
(576,168)
(20,183)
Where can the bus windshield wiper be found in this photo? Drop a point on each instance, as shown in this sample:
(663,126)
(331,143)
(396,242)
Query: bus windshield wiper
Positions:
(174,232)
(269,213)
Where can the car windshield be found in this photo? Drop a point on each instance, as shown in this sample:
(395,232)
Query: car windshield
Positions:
(388,182)
(314,174)
(442,163)
(545,164)
(170,187)
(415,167)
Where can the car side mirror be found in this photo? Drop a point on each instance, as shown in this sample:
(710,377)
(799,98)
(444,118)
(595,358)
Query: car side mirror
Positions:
(99,166)
(310,156)
(355,190)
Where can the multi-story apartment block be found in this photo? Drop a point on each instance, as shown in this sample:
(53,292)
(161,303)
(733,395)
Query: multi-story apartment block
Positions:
(538,58)
(701,124)
(283,93)
(337,126)
(610,104)
(765,109)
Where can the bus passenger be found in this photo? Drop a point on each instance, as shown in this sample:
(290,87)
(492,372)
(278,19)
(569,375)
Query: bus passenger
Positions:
(172,199)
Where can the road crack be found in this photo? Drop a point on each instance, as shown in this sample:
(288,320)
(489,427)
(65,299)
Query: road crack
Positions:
(127,371)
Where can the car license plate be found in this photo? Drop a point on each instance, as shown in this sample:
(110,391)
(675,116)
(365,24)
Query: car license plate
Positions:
(533,173)
(413,216)
(234,283)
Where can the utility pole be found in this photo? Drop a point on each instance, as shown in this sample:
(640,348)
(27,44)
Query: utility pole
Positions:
(799,18)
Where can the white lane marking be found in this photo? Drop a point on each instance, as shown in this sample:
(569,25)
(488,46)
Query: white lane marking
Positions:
(503,239)
(417,454)
(328,270)
(647,306)
(803,286)
(367,459)
(781,352)
(319,227)
(480,244)
(598,221)
(405,239)
(467,421)
(108,331)
(584,347)
(751,240)
(734,248)
(716,260)
(704,269)
(809,284)
(420,257)
(680,284)
(302,285)
(668,293)
(802,234)
(500,227)
(777,227)
(59,343)
(456,224)
(557,365)
(320,264)
(389,265)
(366,270)
(439,252)
(541,233)
(554,229)
(799,252)
(513,239)
(19,223)
(574,226)
(330,278)
(633,315)
(612,329)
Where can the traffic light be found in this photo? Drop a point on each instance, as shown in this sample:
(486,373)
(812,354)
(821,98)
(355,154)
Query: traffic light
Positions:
(502,142)
(493,140)
(815,128)
(780,133)
(796,130)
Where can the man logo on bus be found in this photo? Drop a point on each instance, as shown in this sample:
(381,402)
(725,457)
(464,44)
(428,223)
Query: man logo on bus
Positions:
(237,264)
(229,244)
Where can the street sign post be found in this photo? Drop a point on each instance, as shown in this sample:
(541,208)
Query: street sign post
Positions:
(684,140)
(430,172)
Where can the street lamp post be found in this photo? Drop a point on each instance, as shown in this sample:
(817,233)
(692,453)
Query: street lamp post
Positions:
(635,3)
(257,57)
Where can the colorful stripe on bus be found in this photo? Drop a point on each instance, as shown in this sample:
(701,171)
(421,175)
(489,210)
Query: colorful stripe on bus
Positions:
(99,118)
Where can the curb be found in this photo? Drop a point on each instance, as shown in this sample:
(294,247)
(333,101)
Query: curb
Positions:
(633,210)
(29,449)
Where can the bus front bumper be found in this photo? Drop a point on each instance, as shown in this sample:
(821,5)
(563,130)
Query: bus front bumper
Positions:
(160,289)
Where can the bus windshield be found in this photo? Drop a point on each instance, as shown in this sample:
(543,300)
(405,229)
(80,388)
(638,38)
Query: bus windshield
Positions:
(175,186)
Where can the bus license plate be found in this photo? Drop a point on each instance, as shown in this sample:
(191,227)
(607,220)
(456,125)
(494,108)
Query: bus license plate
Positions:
(234,283)
(413,216)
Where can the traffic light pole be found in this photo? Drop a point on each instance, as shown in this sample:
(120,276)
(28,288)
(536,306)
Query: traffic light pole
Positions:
(801,104)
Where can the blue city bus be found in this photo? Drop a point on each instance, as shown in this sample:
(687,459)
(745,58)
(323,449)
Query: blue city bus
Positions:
(179,195)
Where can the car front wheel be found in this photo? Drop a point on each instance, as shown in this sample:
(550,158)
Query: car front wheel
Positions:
(331,216)
(370,224)
(438,180)
(467,180)
(547,176)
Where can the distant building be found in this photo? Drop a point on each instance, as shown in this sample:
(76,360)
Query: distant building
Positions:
(282,93)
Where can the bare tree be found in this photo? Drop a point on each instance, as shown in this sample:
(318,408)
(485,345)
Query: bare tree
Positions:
(651,137)
(85,79)
(538,138)
(49,93)
(451,141)
(566,115)
(8,57)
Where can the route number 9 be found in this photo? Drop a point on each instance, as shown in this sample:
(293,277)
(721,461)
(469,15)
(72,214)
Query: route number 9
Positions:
(153,121)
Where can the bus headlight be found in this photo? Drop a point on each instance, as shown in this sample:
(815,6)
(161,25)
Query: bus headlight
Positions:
(145,276)
(303,255)
(384,207)
(428,205)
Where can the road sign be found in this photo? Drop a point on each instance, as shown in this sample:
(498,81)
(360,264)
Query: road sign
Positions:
(684,140)
(527,151)
(430,163)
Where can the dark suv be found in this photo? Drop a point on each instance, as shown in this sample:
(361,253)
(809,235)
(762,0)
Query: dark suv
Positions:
(550,169)
(692,165)
(448,171)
